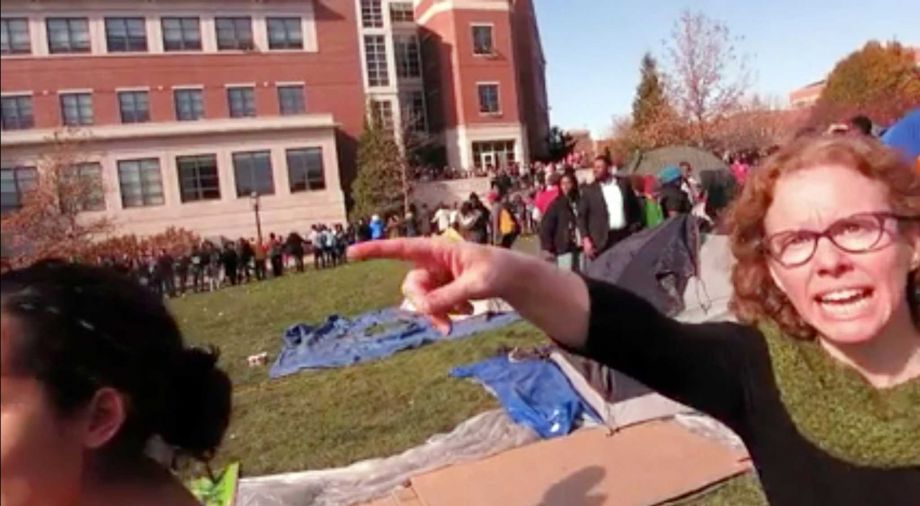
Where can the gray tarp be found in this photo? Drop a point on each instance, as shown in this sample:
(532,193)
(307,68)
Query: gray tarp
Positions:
(483,435)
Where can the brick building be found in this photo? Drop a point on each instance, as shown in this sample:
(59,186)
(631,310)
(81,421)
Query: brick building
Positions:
(187,108)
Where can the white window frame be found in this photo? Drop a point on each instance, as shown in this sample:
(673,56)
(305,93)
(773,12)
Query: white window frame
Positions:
(498,98)
(491,27)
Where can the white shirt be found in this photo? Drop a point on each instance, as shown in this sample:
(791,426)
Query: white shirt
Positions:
(613,197)
(442,218)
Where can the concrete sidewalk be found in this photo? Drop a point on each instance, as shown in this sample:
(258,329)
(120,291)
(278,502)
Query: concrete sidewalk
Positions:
(641,465)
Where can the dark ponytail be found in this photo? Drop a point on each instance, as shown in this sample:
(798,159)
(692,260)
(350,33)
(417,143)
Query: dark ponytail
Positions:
(199,404)
(80,328)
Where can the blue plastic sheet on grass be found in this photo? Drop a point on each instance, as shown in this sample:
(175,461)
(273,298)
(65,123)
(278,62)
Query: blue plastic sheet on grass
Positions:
(341,341)
(533,392)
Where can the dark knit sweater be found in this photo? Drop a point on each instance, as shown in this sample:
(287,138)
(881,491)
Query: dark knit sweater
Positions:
(817,433)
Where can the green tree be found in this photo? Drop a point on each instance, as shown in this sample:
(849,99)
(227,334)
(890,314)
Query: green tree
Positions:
(381,186)
(650,95)
(878,80)
(559,144)
(654,121)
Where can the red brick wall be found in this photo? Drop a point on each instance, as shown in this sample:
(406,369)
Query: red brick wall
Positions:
(331,77)
(451,78)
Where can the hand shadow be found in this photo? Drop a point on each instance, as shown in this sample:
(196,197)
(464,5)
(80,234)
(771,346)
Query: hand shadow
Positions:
(576,489)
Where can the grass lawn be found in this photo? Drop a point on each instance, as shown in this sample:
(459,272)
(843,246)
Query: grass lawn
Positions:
(313,420)
(319,419)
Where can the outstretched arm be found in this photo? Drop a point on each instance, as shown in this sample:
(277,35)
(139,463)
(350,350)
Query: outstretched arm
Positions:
(700,365)
(448,275)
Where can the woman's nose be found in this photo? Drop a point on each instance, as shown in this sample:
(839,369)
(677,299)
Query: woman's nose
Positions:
(829,259)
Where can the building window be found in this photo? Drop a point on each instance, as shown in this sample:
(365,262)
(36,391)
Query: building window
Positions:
(242,101)
(140,182)
(413,111)
(189,104)
(181,34)
(134,106)
(253,173)
(371,14)
(15,182)
(68,35)
(382,114)
(198,178)
(488,98)
(493,154)
(234,33)
(375,52)
(77,109)
(290,99)
(17,113)
(284,33)
(91,193)
(14,36)
(305,169)
(408,59)
(401,12)
(125,34)
(482,39)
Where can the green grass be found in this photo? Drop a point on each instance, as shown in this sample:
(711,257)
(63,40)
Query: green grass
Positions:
(320,419)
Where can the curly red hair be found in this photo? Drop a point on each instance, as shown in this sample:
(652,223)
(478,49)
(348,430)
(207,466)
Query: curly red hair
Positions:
(756,296)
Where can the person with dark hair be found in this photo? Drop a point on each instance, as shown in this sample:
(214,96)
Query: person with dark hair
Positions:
(197,268)
(276,255)
(183,263)
(559,230)
(608,211)
(295,249)
(424,221)
(480,229)
(230,261)
(861,124)
(505,225)
(99,391)
(246,254)
(164,274)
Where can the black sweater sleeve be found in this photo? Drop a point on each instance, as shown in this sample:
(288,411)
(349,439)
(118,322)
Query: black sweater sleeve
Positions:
(704,366)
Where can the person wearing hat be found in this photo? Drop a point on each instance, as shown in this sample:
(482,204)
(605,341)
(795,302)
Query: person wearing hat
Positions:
(673,200)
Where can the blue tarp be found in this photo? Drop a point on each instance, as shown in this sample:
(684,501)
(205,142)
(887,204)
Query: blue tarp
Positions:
(905,135)
(533,392)
(341,341)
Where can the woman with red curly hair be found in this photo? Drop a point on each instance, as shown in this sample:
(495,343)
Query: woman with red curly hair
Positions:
(820,377)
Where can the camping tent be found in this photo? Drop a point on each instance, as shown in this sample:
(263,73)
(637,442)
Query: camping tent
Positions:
(649,163)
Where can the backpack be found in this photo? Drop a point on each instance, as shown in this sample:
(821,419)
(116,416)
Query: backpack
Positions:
(507,224)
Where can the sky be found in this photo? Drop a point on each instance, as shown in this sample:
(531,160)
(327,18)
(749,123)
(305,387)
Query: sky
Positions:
(593,47)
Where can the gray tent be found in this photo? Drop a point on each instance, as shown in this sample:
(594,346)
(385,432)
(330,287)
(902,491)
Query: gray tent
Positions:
(651,162)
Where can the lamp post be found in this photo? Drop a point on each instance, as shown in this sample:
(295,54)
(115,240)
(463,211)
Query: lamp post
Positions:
(254,199)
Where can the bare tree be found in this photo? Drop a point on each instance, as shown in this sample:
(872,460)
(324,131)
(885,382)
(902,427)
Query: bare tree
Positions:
(53,220)
(708,77)
(757,123)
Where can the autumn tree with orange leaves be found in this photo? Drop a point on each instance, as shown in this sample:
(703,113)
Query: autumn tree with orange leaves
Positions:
(880,81)
(56,219)
(708,76)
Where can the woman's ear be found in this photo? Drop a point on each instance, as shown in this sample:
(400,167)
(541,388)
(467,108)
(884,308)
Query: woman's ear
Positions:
(105,416)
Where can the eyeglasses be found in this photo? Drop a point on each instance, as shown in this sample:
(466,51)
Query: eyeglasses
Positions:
(860,233)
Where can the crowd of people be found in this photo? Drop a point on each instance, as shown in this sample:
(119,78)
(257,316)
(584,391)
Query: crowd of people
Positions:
(209,265)
(579,159)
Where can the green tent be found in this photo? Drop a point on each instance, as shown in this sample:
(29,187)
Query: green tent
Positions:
(649,163)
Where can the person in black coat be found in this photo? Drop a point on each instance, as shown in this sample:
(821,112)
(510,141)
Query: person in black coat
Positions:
(600,228)
(559,229)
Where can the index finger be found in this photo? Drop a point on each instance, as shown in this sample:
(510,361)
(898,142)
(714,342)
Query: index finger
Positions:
(413,250)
